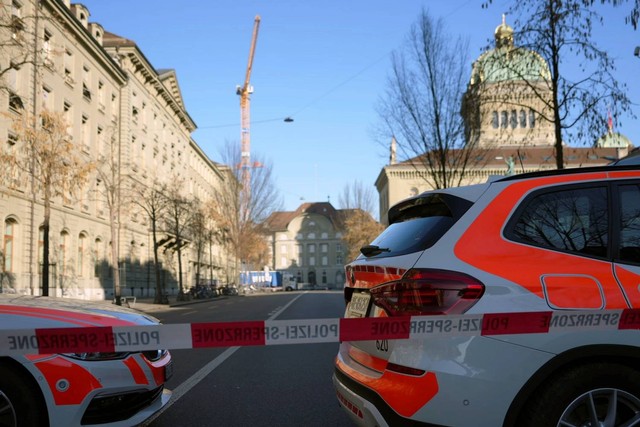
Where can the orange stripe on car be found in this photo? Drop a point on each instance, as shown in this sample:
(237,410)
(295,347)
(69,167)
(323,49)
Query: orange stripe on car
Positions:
(406,394)
(69,383)
(533,263)
(136,371)
(158,373)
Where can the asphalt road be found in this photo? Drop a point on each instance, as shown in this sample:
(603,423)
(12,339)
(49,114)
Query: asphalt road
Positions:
(283,385)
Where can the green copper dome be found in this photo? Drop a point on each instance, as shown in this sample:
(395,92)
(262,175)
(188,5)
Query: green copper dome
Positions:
(507,62)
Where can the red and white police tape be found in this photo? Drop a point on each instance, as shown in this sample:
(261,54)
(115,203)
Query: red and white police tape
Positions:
(306,331)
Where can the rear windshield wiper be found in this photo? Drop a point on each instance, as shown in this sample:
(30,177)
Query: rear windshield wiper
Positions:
(373,250)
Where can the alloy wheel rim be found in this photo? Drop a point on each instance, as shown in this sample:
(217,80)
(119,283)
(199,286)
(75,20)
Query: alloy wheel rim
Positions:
(7,412)
(603,407)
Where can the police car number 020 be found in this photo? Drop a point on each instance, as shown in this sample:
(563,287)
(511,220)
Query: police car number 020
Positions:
(359,304)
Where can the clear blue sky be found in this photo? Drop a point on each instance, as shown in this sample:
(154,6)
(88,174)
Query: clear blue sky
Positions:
(324,63)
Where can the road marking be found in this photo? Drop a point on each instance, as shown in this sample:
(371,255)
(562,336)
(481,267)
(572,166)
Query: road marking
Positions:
(192,381)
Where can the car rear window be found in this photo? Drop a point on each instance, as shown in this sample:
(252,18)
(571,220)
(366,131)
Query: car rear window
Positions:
(419,223)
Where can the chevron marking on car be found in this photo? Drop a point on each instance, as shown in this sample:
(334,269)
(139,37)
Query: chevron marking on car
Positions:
(308,331)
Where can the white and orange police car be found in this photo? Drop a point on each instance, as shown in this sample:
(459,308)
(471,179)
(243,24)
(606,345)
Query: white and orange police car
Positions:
(560,242)
(77,389)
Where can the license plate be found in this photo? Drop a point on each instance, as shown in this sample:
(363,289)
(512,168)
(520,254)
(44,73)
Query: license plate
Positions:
(168,371)
(358,305)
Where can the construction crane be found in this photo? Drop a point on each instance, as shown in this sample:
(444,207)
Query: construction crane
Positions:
(245,123)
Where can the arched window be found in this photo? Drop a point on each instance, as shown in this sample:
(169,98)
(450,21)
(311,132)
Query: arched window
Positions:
(523,119)
(62,258)
(503,119)
(532,119)
(40,248)
(82,238)
(495,122)
(513,121)
(98,257)
(9,244)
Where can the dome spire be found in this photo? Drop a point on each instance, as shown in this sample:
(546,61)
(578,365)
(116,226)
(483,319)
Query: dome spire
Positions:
(504,33)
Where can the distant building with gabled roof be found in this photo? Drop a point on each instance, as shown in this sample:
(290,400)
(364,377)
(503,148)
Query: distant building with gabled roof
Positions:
(307,243)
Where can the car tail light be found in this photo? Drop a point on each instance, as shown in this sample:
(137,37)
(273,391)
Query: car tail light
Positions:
(428,292)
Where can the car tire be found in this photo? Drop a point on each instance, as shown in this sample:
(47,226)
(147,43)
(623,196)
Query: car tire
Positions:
(19,405)
(585,395)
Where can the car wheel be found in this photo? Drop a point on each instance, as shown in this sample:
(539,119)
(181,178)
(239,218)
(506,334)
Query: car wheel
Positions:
(18,404)
(602,394)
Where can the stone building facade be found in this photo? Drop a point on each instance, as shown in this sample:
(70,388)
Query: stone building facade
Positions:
(114,101)
(502,120)
(307,244)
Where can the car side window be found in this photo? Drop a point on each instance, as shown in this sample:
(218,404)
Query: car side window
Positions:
(570,220)
(629,249)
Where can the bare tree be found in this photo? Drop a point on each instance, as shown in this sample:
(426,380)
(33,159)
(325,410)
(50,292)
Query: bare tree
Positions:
(179,218)
(574,99)
(421,106)
(356,204)
(240,211)
(43,152)
(19,43)
(153,202)
(114,193)
(201,235)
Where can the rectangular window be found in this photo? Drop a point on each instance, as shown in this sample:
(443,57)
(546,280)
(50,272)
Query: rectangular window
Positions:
(47,42)
(100,142)
(84,132)
(17,25)
(68,67)
(67,114)
(47,98)
(101,96)
(86,83)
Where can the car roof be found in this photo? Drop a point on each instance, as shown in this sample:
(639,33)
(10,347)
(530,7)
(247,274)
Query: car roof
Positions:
(571,171)
(473,192)
(633,158)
